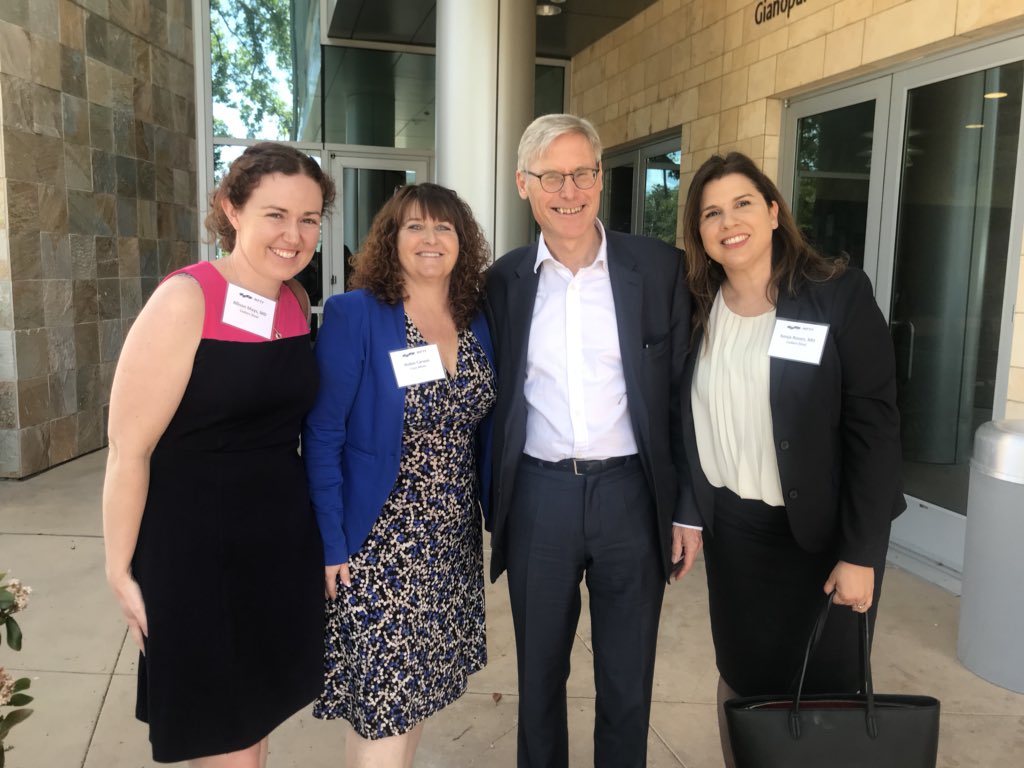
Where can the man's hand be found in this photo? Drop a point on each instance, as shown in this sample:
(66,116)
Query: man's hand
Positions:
(686,543)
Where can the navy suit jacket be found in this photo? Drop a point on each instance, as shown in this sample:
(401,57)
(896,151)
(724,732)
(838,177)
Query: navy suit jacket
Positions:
(652,310)
(835,425)
(352,439)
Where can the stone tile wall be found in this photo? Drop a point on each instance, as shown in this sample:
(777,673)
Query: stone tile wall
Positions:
(705,65)
(97,202)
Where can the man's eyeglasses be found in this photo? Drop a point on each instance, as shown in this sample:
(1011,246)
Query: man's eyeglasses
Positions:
(553,181)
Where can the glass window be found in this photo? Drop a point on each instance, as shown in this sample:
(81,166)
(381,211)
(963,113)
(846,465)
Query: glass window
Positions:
(661,196)
(832,179)
(253,66)
(548,90)
(641,190)
(378,98)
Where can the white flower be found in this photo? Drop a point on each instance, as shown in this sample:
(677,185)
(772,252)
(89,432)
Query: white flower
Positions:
(20,593)
(6,687)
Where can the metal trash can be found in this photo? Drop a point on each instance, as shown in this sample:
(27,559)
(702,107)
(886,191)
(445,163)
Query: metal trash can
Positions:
(990,642)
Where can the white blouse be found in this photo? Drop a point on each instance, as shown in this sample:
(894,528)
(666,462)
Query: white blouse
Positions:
(732,415)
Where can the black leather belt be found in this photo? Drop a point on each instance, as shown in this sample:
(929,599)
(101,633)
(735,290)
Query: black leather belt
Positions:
(581,466)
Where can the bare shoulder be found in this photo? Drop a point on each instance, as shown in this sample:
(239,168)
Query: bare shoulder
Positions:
(175,309)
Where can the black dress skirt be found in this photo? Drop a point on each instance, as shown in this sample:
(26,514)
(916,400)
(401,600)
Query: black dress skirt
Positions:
(765,593)
(229,557)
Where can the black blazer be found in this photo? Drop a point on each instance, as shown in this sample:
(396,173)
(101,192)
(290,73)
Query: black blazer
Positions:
(836,426)
(652,309)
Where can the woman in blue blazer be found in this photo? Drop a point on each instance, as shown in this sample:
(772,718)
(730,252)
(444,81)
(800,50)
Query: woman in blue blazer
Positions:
(792,435)
(396,455)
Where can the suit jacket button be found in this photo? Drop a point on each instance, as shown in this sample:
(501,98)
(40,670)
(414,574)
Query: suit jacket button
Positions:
(793,494)
(784,445)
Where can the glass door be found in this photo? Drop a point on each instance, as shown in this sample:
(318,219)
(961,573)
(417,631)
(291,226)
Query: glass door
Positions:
(949,229)
(914,176)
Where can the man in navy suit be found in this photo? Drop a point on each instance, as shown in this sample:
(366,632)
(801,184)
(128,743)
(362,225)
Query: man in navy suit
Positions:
(590,329)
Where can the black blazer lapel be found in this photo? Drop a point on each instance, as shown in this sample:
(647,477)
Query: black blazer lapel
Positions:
(521,297)
(786,306)
(522,294)
(628,293)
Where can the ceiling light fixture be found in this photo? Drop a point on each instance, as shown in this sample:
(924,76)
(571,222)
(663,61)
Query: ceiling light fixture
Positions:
(975,125)
(547,9)
(996,95)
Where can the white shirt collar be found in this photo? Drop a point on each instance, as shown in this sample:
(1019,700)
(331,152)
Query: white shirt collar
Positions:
(543,254)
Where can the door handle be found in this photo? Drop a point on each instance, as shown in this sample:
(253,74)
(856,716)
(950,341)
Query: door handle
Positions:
(906,329)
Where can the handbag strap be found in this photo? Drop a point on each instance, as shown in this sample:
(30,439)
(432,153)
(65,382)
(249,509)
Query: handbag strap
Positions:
(864,634)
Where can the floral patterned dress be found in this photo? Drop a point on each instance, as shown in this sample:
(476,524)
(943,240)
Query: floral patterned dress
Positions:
(402,641)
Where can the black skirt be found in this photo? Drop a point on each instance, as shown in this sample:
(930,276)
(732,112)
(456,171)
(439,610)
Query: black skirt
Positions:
(229,557)
(765,593)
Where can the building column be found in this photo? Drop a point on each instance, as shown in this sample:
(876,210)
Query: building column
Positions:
(482,108)
(517,46)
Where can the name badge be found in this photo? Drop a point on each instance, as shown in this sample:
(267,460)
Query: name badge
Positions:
(799,341)
(417,365)
(249,311)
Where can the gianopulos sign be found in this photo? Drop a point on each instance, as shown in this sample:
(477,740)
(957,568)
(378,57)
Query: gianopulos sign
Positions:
(766,10)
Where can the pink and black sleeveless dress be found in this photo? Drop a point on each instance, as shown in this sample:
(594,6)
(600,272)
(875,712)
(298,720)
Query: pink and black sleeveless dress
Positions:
(229,557)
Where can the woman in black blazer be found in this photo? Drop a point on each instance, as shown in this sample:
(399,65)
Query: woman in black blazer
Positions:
(792,435)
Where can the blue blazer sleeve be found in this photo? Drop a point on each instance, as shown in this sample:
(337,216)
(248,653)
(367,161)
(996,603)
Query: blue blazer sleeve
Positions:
(341,356)
(485,429)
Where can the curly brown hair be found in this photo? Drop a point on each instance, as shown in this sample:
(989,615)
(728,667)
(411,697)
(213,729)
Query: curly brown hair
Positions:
(376,268)
(244,176)
(794,261)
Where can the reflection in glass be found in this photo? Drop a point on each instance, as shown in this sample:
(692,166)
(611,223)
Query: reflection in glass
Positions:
(255,64)
(378,98)
(617,197)
(661,196)
(548,90)
(832,179)
(953,233)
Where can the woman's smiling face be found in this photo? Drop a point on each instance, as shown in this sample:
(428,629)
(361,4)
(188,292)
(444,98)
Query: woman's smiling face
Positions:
(736,223)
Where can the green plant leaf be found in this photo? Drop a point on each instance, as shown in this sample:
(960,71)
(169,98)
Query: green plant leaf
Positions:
(12,718)
(16,716)
(13,634)
(20,700)
(6,599)
(22,683)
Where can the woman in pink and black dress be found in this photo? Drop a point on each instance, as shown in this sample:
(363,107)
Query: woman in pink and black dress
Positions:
(212,547)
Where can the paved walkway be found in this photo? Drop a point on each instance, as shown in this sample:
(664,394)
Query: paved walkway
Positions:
(83,669)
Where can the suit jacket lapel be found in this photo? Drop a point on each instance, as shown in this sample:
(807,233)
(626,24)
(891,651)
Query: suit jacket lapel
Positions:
(628,292)
(522,294)
(786,307)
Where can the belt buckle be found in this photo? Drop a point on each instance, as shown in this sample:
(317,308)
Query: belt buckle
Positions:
(575,469)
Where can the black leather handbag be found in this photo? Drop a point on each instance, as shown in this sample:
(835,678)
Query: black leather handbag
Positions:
(850,730)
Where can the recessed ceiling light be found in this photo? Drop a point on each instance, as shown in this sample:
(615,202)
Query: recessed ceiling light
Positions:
(975,125)
(996,95)
(547,9)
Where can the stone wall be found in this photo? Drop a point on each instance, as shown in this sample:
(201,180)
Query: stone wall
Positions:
(97,202)
(707,66)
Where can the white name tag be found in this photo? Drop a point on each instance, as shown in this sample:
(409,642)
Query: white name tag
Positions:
(417,365)
(249,311)
(799,341)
